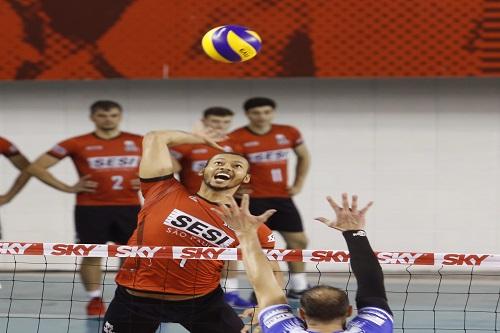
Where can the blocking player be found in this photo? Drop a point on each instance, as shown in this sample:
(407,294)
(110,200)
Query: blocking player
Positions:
(323,309)
(107,202)
(19,161)
(192,159)
(267,146)
(155,290)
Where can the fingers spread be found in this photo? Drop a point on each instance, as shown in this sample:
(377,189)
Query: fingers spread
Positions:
(333,204)
(365,209)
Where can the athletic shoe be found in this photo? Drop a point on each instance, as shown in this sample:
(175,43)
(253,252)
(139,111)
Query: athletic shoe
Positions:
(294,294)
(233,298)
(96,308)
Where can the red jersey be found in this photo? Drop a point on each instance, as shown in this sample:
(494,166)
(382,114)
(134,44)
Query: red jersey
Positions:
(172,216)
(112,163)
(194,157)
(268,157)
(7,148)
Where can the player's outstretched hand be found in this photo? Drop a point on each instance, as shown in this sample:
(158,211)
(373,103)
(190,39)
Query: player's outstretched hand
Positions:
(84,185)
(239,218)
(347,217)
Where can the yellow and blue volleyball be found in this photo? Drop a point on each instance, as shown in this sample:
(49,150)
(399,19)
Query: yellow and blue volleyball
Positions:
(231,43)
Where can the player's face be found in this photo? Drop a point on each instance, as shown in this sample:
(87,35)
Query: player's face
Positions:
(107,119)
(261,116)
(218,123)
(225,171)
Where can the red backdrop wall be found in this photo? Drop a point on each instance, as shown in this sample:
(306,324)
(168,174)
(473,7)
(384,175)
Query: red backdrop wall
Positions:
(95,39)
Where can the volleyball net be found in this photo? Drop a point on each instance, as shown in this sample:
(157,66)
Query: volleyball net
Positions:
(41,290)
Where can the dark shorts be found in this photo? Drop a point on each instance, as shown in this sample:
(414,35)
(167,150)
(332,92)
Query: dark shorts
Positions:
(287,217)
(206,314)
(102,224)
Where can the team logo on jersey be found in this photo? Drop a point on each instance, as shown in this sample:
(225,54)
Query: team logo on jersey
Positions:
(281,139)
(95,147)
(59,150)
(271,238)
(190,225)
(108,328)
(114,162)
(130,145)
(12,149)
(269,156)
(197,166)
(200,151)
(251,144)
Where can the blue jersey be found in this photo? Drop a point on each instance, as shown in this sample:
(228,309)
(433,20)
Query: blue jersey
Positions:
(281,319)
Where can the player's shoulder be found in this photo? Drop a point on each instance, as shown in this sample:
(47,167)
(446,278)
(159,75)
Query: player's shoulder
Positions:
(131,136)
(280,318)
(238,132)
(372,320)
(82,138)
(283,127)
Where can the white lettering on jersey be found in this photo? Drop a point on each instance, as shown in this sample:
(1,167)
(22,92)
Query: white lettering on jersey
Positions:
(197,166)
(114,162)
(269,156)
(251,144)
(96,147)
(196,227)
(275,316)
(200,151)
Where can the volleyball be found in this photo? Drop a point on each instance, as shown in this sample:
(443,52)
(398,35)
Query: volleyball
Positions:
(231,43)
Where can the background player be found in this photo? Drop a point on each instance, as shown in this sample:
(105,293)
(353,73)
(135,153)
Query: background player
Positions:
(21,163)
(152,290)
(266,146)
(192,159)
(324,309)
(107,202)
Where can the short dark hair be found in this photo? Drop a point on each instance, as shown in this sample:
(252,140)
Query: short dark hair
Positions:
(104,105)
(217,111)
(324,303)
(255,102)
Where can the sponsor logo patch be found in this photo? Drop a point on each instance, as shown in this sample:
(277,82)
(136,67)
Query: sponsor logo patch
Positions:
(114,162)
(199,228)
(269,156)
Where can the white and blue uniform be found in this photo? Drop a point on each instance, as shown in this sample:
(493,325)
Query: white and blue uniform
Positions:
(281,319)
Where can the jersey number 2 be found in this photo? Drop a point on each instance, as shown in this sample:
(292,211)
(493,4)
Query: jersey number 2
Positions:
(117,182)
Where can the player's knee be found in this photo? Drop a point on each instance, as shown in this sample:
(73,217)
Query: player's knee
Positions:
(299,241)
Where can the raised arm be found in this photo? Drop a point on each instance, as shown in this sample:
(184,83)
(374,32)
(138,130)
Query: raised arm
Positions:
(21,163)
(364,263)
(258,268)
(156,160)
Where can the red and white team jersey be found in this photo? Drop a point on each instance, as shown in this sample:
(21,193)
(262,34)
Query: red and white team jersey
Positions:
(268,157)
(7,148)
(112,163)
(194,157)
(173,216)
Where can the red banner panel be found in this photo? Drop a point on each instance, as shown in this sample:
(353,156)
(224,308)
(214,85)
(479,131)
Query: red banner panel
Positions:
(96,39)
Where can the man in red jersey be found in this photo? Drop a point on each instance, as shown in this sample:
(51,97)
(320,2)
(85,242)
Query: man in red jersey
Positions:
(192,159)
(155,290)
(19,161)
(107,202)
(266,146)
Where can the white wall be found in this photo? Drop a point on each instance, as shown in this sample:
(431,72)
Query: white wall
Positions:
(426,151)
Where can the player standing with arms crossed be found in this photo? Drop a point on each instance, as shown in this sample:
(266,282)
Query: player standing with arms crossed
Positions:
(155,290)
(323,309)
(192,158)
(19,161)
(107,202)
(266,146)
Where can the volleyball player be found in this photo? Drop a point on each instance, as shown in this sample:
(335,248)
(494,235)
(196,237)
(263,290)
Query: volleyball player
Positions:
(267,146)
(19,161)
(192,158)
(323,309)
(107,202)
(155,290)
